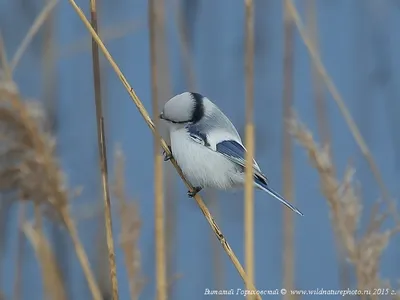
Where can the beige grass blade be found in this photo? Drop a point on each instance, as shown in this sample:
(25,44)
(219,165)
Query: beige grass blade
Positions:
(51,274)
(3,60)
(130,229)
(287,163)
(33,30)
(17,288)
(159,218)
(103,155)
(81,254)
(249,143)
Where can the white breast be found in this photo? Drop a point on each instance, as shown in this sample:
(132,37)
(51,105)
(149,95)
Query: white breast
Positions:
(202,166)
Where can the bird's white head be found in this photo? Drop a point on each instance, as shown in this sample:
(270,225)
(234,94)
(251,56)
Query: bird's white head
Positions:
(184,108)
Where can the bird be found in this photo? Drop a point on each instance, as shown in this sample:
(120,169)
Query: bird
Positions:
(207,147)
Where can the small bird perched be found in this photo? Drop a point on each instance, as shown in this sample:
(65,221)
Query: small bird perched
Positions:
(207,146)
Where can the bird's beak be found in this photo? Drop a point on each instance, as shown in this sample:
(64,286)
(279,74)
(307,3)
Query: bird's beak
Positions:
(161,116)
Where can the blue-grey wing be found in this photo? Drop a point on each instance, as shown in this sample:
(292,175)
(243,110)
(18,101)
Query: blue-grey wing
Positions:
(235,152)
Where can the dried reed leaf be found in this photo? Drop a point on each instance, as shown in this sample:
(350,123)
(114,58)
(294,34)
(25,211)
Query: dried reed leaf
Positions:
(27,160)
(363,252)
(34,174)
(52,277)
(37,24)
(130,229)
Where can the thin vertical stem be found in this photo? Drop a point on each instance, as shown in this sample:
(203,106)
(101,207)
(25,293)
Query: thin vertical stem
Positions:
(170,203)
(321,112)
(287,162)
(17,290)
(3,59)
(103,155)
(249,136)
(48,69)
(33,30)
(38,216)
(161,284)
(185,46)
(81,254)
(217,259)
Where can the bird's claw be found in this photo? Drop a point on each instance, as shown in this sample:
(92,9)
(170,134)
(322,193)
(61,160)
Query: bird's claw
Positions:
(167,157)
(193,193)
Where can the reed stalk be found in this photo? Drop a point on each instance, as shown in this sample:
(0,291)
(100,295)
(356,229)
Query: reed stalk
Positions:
(17,287)
(54,287)
(130,229)
(33,30)
(249,142)
(161,281)
(287,162)
(103,155)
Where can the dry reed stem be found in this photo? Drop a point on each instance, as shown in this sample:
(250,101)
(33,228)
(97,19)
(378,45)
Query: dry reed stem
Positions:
(39,21)
(30,169)
(130,229)
(363,252)
(341,104)
(38,223)
(318,87)
(17,289)
(51,274)
(81,254)
(101,267)
(170,180)
(3,60)
(217,259)
(161,280)
(184,45)
(164,145)
(287,163)
(103,155)
(49,71)
(249,142)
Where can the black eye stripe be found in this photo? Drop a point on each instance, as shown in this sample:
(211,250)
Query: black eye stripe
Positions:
(198,110)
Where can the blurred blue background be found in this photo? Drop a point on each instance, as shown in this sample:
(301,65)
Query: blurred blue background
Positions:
(359,41)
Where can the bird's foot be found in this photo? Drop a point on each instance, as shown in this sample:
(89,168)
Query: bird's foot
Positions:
(193,193)
(167,157)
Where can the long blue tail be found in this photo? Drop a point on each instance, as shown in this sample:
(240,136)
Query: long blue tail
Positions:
(270,191)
